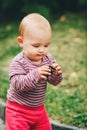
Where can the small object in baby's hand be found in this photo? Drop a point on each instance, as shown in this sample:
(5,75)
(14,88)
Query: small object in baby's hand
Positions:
(52,69)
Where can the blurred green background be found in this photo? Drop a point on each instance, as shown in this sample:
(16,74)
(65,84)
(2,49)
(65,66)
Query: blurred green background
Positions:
(67,102)
(12,10)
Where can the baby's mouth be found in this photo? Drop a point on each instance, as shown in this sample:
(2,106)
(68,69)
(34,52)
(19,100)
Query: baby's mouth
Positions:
(41,55)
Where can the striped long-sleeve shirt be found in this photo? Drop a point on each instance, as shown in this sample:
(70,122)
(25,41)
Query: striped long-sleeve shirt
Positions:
(26,86)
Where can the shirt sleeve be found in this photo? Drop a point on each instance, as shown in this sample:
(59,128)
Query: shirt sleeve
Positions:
(54,79)
(20,80)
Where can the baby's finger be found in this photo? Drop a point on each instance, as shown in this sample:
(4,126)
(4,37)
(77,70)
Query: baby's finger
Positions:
(58,72)
(54,65)
(44,77)
(58,68)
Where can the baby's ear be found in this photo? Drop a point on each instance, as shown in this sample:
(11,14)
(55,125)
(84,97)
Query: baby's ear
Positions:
(20,41)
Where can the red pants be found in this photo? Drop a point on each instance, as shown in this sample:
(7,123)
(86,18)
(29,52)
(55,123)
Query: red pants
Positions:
(19,117)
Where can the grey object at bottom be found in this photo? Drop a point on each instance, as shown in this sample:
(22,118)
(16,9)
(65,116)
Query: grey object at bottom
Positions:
(2,125)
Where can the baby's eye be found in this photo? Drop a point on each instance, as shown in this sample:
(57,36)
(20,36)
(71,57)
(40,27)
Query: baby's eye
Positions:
(46,45)
(36,46)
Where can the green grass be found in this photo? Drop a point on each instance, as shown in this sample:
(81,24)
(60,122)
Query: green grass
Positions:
(67,102)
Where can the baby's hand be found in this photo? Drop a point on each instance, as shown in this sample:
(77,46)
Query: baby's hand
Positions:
(55,69)
(44,71)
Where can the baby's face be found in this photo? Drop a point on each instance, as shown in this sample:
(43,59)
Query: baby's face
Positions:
(36,42)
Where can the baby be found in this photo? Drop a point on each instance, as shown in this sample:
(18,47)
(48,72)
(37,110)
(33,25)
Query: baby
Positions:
(29,73)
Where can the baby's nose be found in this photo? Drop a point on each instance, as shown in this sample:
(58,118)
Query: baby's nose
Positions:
(41,49)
